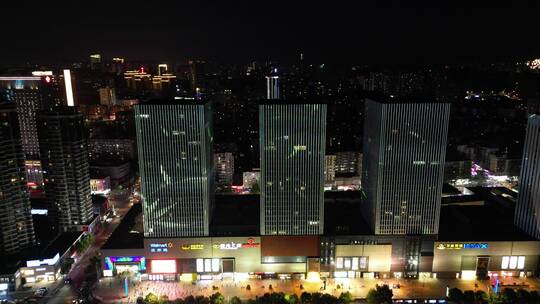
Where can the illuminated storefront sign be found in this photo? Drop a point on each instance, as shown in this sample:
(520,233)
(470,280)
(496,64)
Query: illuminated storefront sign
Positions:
(110,261)
(192,247)
(37,263)
(228,246)
(459,246)
(160,247)
(251,244)
(235,246)
(163,266)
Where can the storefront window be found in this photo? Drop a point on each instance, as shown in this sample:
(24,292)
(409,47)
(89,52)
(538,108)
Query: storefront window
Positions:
(200,265)
(504,264)
(363,262)
(347,263)
(354,263)
(339,263)
(207,265)
(215,265)
(351,263)
(521,262)
(513,262)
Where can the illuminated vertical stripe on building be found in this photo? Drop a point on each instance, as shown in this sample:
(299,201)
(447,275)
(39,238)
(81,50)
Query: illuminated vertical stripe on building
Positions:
(292,146)
(527,214)
(176,166)
(403,161)
(272,87)
(69,88)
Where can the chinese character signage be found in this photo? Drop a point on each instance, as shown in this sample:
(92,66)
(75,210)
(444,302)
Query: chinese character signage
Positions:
(459,246)
(160,247)
(192,247)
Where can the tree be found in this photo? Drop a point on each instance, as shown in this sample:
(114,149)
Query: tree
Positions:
(305,297)
(265,299)
(523,296)
(189,300)
(345,297)
(316,298)
(202,300)
(292,298)
(468,296)
(480,296)
(151,299)
(535,298)
(163,299)
(328,299)
(255,188)
(380,295)
(85,242)
(66,265)
(217,298)
(509,295)
(236,300)
(455,295)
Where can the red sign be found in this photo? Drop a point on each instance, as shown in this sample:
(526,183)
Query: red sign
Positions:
(251,244)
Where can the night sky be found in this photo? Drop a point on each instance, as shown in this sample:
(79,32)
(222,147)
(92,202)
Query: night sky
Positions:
(241,31)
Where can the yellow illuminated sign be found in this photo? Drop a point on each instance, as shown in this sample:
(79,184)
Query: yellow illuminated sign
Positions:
(192,247)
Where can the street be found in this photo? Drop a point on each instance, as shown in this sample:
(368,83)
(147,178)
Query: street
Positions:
(58,291)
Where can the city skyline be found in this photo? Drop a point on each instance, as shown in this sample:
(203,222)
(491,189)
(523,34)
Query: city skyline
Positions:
(285,153)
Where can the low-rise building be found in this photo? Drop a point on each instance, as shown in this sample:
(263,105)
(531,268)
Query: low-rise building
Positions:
(45,265)
(469,246)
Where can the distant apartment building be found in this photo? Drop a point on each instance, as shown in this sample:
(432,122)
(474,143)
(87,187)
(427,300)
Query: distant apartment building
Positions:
(122,149)
(224,163)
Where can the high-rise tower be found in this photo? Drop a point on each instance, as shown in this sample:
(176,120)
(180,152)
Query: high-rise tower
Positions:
(404,153)
(527,214)
(174,140)
(64,157)
(292,147)
(16,229)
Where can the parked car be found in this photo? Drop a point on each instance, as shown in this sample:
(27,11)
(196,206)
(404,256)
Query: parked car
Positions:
(41,292)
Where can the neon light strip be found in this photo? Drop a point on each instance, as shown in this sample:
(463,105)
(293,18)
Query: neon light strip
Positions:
(20,78)
(69,89)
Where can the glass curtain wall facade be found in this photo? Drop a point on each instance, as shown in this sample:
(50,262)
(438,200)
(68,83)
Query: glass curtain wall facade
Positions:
(292,147)
(527,214)
(176,166)
(403,161)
